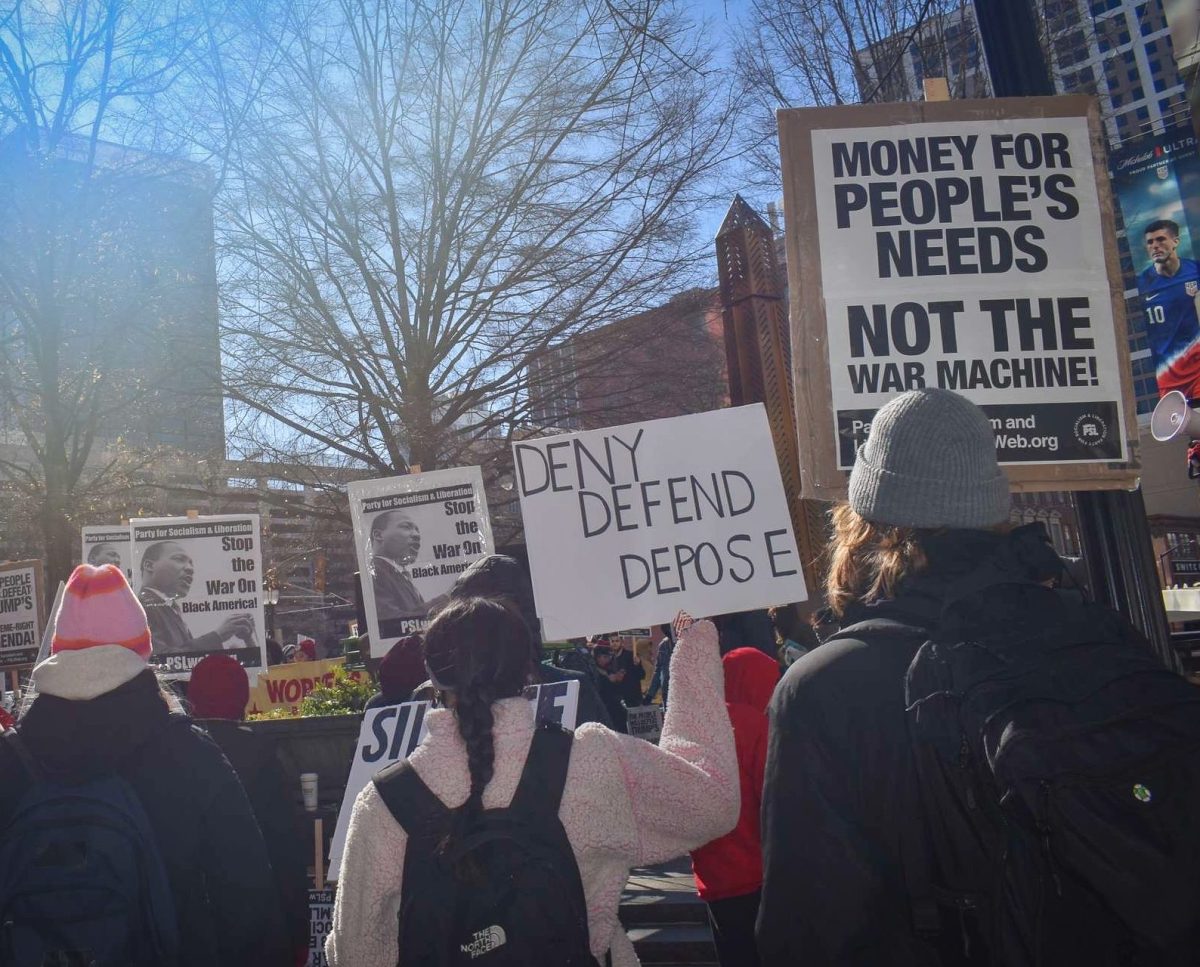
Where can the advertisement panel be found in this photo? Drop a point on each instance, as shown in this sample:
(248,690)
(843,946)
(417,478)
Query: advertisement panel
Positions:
(1157,183)
(200,581)
(966,245)
(414,536)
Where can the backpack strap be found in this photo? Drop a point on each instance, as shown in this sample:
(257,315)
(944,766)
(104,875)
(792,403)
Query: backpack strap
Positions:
(31,766)
(412,804)
(540,789)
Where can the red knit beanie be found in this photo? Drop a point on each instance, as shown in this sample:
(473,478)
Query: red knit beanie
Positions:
(219,688)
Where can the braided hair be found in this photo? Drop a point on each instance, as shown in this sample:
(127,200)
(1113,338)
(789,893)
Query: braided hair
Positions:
(480,650)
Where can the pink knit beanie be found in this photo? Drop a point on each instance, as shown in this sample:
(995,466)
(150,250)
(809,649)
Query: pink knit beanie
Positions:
(101,639)
(99,608)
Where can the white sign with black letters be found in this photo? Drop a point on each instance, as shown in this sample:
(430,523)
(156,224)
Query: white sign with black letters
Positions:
(21,618)
(414,536)
(970,255)
(200,581)
(626,526)
(108,545)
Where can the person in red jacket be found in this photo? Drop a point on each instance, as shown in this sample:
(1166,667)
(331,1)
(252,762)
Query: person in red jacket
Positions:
(729,870)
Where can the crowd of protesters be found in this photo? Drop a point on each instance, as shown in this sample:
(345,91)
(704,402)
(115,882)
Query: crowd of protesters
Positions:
(786,767)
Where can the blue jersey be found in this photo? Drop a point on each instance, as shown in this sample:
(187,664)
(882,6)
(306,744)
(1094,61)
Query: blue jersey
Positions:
(1172,327)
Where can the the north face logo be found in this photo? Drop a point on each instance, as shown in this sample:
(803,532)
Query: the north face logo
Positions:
(485,941)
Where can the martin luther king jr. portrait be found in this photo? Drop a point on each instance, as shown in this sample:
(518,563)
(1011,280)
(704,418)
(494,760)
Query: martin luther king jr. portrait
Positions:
(167,576)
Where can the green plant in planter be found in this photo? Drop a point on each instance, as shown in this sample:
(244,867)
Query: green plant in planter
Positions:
(346,695)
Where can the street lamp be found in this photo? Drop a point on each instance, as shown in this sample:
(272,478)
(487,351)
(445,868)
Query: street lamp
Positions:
(270,600)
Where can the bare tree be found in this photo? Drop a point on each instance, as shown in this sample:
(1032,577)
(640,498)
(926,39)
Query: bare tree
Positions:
(433,193)
(801,53)
(84,285)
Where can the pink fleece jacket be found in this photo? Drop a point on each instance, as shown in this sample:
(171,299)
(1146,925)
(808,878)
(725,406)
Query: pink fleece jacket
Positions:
(626,803)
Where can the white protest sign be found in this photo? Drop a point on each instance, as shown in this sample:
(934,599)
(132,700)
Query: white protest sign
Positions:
(626,526)
(391,733)
(200,581)
(21,617)
(414,536)
(108,545)
(320,925)
(645,721)
(960,245)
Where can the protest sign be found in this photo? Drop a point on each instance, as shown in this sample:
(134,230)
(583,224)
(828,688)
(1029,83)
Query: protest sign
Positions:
(414,536)
(107,545)
(21,616)
(392,732)
(200,581)
(645,721)
(320,925)
(966,245)
(628,525)
(285,686)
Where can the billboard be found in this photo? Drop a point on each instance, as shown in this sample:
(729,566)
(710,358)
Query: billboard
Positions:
(1157,183)
(966,245)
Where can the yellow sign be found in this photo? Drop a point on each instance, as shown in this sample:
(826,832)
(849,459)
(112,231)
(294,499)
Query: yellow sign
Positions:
(285,686)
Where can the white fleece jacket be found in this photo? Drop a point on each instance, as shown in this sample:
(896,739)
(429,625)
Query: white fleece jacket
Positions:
(626,803)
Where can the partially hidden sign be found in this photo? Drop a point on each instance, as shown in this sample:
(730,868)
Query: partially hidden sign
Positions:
(320,925)
(414,536)
(286,686)
(966,245)
(21,615)
(392,732)
(626,526)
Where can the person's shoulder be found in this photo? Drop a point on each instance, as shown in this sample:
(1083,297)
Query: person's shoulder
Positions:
(188,742)
(849,667)
(550,672)
(1148,277)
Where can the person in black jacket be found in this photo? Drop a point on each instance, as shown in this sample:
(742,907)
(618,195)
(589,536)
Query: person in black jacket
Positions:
(842,819)
(99,710)
(218,693)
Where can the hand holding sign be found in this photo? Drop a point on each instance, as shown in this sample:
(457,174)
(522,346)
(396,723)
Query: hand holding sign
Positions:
(682,622)
(237,626)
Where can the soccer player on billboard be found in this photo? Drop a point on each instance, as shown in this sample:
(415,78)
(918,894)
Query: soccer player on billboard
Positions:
(1170,289)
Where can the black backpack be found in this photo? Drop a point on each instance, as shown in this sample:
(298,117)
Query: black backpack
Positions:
(82,883)
(524,904)
(1059,768)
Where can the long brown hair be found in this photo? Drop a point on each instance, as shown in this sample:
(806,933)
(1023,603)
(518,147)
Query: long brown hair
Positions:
(481,650)
(867,561)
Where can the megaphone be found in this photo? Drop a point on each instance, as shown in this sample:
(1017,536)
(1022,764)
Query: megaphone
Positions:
(1173,417)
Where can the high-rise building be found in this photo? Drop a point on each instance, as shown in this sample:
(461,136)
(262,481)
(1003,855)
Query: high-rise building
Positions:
(113,251)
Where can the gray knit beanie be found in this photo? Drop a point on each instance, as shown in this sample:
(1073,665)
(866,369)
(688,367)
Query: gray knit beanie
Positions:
(930,461)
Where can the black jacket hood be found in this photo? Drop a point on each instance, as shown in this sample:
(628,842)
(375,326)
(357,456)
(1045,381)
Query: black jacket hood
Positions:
(81,739)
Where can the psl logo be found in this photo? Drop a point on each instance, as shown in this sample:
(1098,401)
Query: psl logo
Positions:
(485,941)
